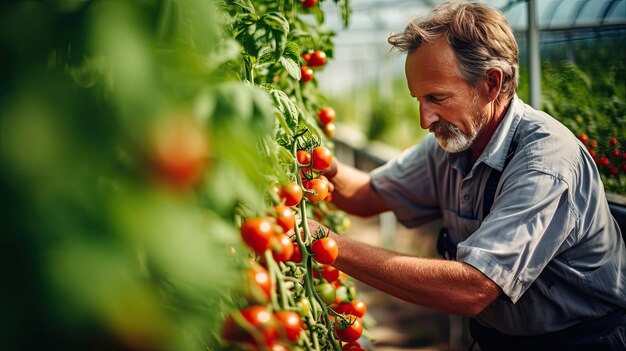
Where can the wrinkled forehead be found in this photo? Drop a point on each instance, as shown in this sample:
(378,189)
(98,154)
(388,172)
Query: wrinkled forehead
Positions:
(433,63)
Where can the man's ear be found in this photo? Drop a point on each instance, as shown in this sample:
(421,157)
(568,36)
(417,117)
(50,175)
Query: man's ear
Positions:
(493,83)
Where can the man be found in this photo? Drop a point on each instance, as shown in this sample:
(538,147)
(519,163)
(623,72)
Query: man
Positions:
(539,261)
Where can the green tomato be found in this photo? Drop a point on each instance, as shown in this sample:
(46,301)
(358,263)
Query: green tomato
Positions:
(304,306)
(326,292)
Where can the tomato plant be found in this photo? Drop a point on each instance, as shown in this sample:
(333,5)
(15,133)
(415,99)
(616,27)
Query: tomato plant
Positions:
(326,292)
(350,330)
(296,256)
(203,96)
(317,59)
(259,284)
(306,74)
(329,273)
(326,115)
(356,308)
(291,323)
(308,3)
(321,158)
(283,250)
(291,194)
(329,130)
(325,250)
(179,150)
(304,157)
(257,233)
(351,346)
(320,188)
(254,325)
(285,218)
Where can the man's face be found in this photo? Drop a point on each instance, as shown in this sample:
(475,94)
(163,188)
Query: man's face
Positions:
(449,107)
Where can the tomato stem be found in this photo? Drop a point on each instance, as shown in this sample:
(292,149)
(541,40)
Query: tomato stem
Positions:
(277,279)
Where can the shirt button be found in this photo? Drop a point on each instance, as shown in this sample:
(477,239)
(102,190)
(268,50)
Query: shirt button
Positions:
(467,197)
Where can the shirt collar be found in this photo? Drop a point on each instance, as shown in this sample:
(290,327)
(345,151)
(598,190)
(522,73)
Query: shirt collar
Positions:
(496,150)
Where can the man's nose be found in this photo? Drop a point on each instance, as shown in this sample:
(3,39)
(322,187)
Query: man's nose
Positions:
(427,116)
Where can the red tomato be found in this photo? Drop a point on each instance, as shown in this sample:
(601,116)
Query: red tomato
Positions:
(297,253)
(306,57)
(321,190)
(349,332)
(291,193)
(259,318)
(262,320)
(350,346)
(593,144)
(306,73)
(356,308)
(304,172)
(179,150)
(285,217)
(304,157)
(616,153)
(604,161)
(613,141)
(284,248)
(584,138)
(322,158)
(259,285)
(325,250)
(318,58)
(257,232)
(613,170)
(291,323)
(326,115)
(280,347)
(308,3)
(329,273)
(329,130)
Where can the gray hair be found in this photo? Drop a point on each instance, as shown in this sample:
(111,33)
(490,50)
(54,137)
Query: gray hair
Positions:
(479,35)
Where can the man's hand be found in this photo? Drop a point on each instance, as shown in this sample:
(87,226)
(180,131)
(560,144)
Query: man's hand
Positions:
(352,191)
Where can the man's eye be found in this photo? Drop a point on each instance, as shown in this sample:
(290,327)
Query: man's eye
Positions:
(432,98)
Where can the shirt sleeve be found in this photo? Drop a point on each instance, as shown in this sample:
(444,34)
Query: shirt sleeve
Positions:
(407,183)
(529,223)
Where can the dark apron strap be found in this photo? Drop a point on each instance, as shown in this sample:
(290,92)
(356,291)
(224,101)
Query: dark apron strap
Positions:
(446,247)
(494,178)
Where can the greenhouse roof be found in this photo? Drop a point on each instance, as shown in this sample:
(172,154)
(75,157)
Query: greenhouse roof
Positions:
(552,14)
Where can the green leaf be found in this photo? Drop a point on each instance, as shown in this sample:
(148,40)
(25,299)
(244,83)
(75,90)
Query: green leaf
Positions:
(266,55)
(286,108)
(292,51)
(277,22)
(319,14)
(242,22)
(291,66)
(245,5)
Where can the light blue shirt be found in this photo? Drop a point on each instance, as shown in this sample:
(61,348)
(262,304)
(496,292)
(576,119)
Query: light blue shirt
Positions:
(549,241)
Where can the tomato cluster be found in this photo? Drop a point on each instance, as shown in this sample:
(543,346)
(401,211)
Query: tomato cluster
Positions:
(311,59)
(293,297)
(291,285)
(609,155)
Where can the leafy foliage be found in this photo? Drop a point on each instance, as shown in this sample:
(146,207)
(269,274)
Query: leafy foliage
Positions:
(135,137)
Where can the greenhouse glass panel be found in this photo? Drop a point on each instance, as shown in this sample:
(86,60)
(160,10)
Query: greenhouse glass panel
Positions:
(564,16)
(617,15)
(591,13)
